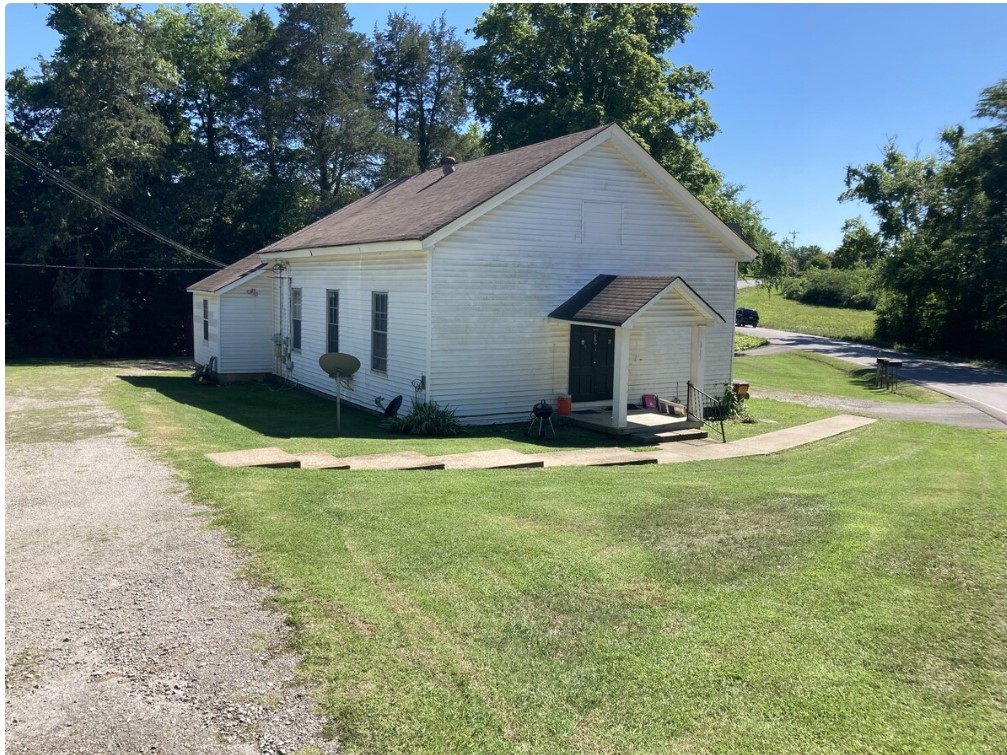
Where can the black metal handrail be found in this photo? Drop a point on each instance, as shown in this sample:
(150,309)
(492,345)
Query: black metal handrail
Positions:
(704,408)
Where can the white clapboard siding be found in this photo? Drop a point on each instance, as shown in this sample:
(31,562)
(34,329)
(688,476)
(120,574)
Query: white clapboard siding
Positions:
(404,279)
(247,322)
(493,283)
(659,349)
(204,349)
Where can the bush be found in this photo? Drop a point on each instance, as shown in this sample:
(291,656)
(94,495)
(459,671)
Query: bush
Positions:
(427,419)
(852,289)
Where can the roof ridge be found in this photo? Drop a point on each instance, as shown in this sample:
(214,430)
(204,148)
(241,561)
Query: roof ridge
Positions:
(596,130)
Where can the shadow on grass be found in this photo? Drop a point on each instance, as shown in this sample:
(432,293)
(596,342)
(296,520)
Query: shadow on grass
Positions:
(277,411)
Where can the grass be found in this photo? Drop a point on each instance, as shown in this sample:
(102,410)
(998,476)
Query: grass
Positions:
(844,596)
(783,314)
(743,342)
(807,372)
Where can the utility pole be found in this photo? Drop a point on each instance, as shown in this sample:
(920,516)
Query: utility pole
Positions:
(793,239)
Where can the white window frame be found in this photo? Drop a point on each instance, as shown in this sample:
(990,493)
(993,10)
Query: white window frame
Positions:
(329,323)
(296,321)
(379,336)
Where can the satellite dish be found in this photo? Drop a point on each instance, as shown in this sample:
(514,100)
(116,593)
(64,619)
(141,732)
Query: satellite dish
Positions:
(338,366)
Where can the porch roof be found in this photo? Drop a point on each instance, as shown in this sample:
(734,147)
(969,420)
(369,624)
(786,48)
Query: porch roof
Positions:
(614,300)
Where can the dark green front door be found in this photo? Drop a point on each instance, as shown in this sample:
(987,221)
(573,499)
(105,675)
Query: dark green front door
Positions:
(592,363)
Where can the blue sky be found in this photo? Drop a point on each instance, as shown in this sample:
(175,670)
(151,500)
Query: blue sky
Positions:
(800,91)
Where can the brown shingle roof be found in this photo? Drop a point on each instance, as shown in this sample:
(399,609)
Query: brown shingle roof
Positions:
(614,299)
(233,272)
(415,207)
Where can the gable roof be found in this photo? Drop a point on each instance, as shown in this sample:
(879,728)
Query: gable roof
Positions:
(230,274)
(413,208)
(417,207)
(616,299)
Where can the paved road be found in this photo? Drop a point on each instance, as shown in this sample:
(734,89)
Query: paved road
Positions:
(982,388)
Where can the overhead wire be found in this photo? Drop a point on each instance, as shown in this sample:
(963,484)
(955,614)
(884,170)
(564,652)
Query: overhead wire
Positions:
(23,157)
(135,269)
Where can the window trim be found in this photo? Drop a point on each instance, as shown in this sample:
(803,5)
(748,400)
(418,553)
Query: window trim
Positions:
(206,319)
(331,325)
(296,317)
(379,345)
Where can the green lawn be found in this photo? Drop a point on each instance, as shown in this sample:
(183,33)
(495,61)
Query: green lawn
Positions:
(807,372)
(744,342)
(784,314)
(844,596)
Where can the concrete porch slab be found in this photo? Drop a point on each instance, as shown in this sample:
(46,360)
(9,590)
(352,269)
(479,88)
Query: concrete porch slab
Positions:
(637,421)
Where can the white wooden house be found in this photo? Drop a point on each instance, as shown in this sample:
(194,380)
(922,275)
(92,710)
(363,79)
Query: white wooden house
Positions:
(575,266)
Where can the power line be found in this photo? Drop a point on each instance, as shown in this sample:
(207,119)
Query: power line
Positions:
(23,157)
(137,269)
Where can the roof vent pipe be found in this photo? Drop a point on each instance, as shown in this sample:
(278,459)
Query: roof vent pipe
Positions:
(448,165)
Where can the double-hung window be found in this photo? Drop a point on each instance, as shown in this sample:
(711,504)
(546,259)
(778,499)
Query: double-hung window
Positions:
(206,319)
(332,321)
(379,331)
(295,318)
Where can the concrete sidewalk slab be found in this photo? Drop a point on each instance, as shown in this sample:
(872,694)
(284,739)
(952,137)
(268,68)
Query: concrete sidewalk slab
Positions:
(397,460)
(595,457)
(502,458)
(256,457)
(682,451)
(321,460)
(791,437)
(760,445)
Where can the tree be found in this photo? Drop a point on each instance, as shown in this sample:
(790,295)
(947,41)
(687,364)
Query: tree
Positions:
(941,237)
(93,115)
(200,42)
(544,70)
(325,82)
(860,247)
(811,256)
(419,83)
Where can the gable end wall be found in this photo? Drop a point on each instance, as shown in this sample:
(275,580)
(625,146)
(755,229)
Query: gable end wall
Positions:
(493,283)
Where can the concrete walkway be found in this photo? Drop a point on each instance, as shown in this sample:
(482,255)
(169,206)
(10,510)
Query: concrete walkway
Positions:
(672,453)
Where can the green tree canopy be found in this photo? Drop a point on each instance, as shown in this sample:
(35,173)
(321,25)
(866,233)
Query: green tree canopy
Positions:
(544,70)
(942,237)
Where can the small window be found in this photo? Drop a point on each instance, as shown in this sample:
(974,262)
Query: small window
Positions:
(206,319)
(379,332)
(332,321)
(295,318)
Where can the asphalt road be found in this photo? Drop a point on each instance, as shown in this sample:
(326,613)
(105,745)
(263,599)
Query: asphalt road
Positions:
(980,387)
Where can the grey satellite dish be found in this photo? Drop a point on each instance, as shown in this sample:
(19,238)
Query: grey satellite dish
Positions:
(338,366)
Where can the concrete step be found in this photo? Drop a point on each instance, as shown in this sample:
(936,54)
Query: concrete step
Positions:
(671,436)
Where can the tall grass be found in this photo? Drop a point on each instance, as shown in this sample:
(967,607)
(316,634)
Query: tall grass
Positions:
(780,313)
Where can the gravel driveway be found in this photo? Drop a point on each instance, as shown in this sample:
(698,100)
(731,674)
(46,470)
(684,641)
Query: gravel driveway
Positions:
(127,627)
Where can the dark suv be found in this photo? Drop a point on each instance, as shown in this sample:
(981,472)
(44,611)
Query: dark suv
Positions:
(746,317)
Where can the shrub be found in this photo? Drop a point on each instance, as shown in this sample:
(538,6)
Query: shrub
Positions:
(832,288)
(734,407)
(427,419)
